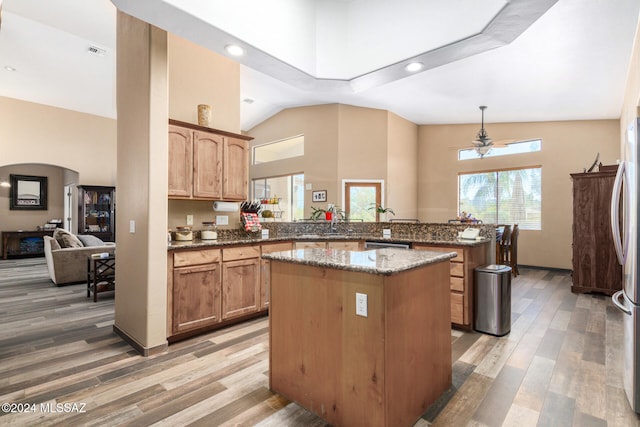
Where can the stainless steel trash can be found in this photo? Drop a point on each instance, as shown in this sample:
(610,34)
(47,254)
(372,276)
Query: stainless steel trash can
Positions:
(492,299)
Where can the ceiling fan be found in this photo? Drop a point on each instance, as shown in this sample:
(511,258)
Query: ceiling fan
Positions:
(483,143)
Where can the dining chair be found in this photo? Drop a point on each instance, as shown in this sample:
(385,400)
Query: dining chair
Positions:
(503,246)
(513,248)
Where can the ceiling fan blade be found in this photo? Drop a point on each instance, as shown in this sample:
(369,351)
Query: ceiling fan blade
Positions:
(503,142)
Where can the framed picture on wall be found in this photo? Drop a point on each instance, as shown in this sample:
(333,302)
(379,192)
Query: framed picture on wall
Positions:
(28,193)
(319,196)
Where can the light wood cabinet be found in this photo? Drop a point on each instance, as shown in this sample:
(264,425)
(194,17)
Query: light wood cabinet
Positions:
(236,169)
(461,279)
(333,244)
(180,161)
(241,281)
(595,266)
(194,289)
(207,164)
(311,245)
(265,275)
(345,245)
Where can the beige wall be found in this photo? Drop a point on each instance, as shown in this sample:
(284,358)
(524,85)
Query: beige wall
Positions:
(35,133)
(402,167)
(344,142)
(567,147)
(319,124)
(199,76)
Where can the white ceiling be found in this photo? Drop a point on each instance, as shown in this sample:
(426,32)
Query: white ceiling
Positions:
(528,60)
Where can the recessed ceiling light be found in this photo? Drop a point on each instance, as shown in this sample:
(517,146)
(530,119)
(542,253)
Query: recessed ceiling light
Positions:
(414,66)
(248,100)
(9,68)
(234,49)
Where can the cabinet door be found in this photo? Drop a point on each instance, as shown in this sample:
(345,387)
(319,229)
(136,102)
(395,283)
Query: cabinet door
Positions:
(235,184)
(265,283)
(180,161)
(311,245)
(196,297)
(241,288)
(207,165)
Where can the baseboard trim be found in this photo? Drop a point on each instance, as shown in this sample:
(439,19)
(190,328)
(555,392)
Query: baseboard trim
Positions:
(537,267)
(144,351)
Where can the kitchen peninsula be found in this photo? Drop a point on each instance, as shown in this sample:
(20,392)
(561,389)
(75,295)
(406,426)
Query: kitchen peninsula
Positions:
(360,337)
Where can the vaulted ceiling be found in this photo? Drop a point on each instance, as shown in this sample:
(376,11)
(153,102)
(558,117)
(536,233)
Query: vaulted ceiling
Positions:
(528,60)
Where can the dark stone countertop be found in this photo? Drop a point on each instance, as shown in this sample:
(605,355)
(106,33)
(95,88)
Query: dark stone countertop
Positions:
(384,261)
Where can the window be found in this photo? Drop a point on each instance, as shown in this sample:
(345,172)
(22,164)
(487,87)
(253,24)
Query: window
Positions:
(513,148)
(286,191)
(360,199)
(278,150)
(511,196)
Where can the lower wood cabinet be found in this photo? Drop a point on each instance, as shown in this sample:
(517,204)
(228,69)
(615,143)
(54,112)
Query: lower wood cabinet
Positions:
(461,279)
(195,291)
(241,281)
(265,270)
(333,244)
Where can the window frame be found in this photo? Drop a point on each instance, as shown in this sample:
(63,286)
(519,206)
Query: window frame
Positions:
(497,171)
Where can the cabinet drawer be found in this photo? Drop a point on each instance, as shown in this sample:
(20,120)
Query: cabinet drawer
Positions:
(277,247)
(242,252)
(457,284)
(205,256)
(457,269)
(311,245)
(457,308)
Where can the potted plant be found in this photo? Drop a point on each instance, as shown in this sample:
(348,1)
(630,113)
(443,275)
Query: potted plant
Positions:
(381,212)
(327,214)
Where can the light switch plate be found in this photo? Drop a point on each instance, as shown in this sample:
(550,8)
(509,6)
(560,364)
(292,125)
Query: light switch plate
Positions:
(189,219)
(308,186)
(132,226)
(222,219)
(361,304)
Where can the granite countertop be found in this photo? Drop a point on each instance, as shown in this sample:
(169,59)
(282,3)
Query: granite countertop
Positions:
(198,243)
(384,261)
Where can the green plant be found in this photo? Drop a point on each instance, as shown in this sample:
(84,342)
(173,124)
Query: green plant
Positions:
(380,209)
(319,213)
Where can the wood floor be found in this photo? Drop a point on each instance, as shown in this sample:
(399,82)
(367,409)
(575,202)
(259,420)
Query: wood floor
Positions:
(559,366)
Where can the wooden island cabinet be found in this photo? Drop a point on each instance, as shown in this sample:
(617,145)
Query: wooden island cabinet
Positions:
(378,361)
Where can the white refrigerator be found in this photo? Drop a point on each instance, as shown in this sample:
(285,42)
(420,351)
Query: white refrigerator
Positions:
(626,242)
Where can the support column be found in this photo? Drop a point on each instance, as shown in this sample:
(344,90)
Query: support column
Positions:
(141,198)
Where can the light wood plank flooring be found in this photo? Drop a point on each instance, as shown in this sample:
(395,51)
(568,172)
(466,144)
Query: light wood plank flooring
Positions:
(559,366)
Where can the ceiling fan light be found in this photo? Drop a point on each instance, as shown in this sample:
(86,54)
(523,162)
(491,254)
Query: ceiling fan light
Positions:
(483,150)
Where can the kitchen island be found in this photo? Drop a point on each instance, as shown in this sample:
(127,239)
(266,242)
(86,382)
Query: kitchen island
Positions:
(381,367)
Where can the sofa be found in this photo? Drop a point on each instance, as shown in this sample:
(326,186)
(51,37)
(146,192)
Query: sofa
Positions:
(67,255)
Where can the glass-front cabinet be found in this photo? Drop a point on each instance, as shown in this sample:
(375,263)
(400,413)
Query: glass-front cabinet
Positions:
(97,211)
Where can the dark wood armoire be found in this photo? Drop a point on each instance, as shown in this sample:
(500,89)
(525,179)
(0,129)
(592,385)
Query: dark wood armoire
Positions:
(595,265)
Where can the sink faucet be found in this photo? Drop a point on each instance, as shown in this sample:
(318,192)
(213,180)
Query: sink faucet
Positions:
(334,220)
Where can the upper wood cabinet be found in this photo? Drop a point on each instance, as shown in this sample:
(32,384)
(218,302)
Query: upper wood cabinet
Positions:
(236,169)
(207,164)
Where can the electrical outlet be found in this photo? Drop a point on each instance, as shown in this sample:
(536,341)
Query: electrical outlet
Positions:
(132,226)
(189,219)
(361,304)
(222,219)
